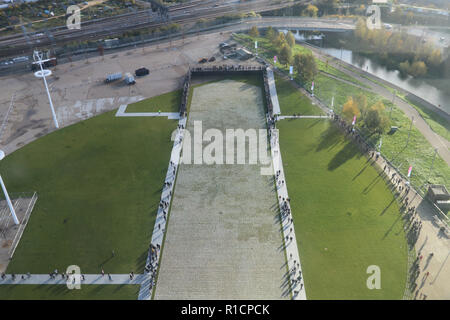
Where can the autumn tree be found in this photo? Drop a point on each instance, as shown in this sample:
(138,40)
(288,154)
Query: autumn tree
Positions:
(280,40)
(290,39)
(285,54)
(254,32)
(350,109)
(361,103)
(310,11)
(270,34)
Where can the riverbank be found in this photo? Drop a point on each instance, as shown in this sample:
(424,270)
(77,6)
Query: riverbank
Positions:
(406,147)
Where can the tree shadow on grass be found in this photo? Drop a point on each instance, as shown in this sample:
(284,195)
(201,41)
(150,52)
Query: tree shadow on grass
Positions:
(391,227)
(362,170)
(388,206)
(329,139)
(348,152)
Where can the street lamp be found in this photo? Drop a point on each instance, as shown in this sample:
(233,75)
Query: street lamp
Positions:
(42,74)
(8,200)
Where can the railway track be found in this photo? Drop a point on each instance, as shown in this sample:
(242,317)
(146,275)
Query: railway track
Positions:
(93,30)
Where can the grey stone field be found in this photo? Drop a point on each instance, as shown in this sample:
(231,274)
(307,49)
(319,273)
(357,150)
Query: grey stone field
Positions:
(223,237)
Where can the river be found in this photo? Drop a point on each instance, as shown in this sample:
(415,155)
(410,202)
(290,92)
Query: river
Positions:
(419,87)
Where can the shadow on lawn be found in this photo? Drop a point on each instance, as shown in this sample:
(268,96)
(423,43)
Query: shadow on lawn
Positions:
(329,139)
(348,152)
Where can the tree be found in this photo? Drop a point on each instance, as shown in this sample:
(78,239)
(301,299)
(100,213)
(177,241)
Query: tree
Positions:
(350,109)
(280,40)
(270,34)
(310,10)
(290,39)
(418,68)
(305,66)
(435,58)
(375,119)
(285,54)
(361,29)
(254,32)
(361,103)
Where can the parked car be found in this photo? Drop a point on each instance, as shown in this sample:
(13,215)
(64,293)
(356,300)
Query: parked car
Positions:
(212,59)
(141,72)
(203,60)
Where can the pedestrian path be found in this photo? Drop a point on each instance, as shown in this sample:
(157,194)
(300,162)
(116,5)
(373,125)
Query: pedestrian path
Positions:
(148,283)
(303,117)
(293,258)
(121,112)
(96,279)
(273,92)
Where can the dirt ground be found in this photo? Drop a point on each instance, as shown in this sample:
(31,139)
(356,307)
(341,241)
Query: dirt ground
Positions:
(223,239)
(78,90)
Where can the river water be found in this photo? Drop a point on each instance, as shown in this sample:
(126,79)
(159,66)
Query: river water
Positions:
(419,87)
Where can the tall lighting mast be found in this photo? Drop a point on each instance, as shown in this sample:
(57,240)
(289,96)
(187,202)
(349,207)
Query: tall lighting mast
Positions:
(43,73)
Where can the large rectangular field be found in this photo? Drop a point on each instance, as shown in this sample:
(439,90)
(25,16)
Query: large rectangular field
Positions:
(99,184)
(346,218)
(223,239)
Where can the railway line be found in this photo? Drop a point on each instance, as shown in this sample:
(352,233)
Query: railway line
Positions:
(104,27)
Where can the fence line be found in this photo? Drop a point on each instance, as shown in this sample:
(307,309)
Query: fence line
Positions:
(23,224)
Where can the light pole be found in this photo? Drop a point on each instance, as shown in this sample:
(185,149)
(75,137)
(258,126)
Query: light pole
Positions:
(42,74)
(409,134)
(432,164)
(8,200)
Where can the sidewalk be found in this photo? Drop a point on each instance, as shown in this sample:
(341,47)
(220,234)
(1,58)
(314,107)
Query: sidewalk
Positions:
(121,112)
(149,281)
(89,279)
(290,241)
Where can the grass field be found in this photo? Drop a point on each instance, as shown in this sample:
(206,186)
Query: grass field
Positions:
(268,50)
(292,100)
(168,102)
(60,292)
(346,218)
(99,184)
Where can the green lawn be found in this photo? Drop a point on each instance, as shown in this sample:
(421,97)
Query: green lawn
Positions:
(418,152)
(346,218)
(99,183)
(292,100)
(168,102)
(60,292)
(267,50)
(439,125)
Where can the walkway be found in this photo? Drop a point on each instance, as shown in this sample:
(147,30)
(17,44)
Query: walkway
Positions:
(149,280)
(290,241)
(273,92)
(89,279)
(121,112)
(303,117)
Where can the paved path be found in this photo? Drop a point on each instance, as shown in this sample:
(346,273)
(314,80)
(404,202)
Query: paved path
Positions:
(89,279)
(303,117)
(438,142)
(148,284)
(273,92)
(290,241)
(121,112)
